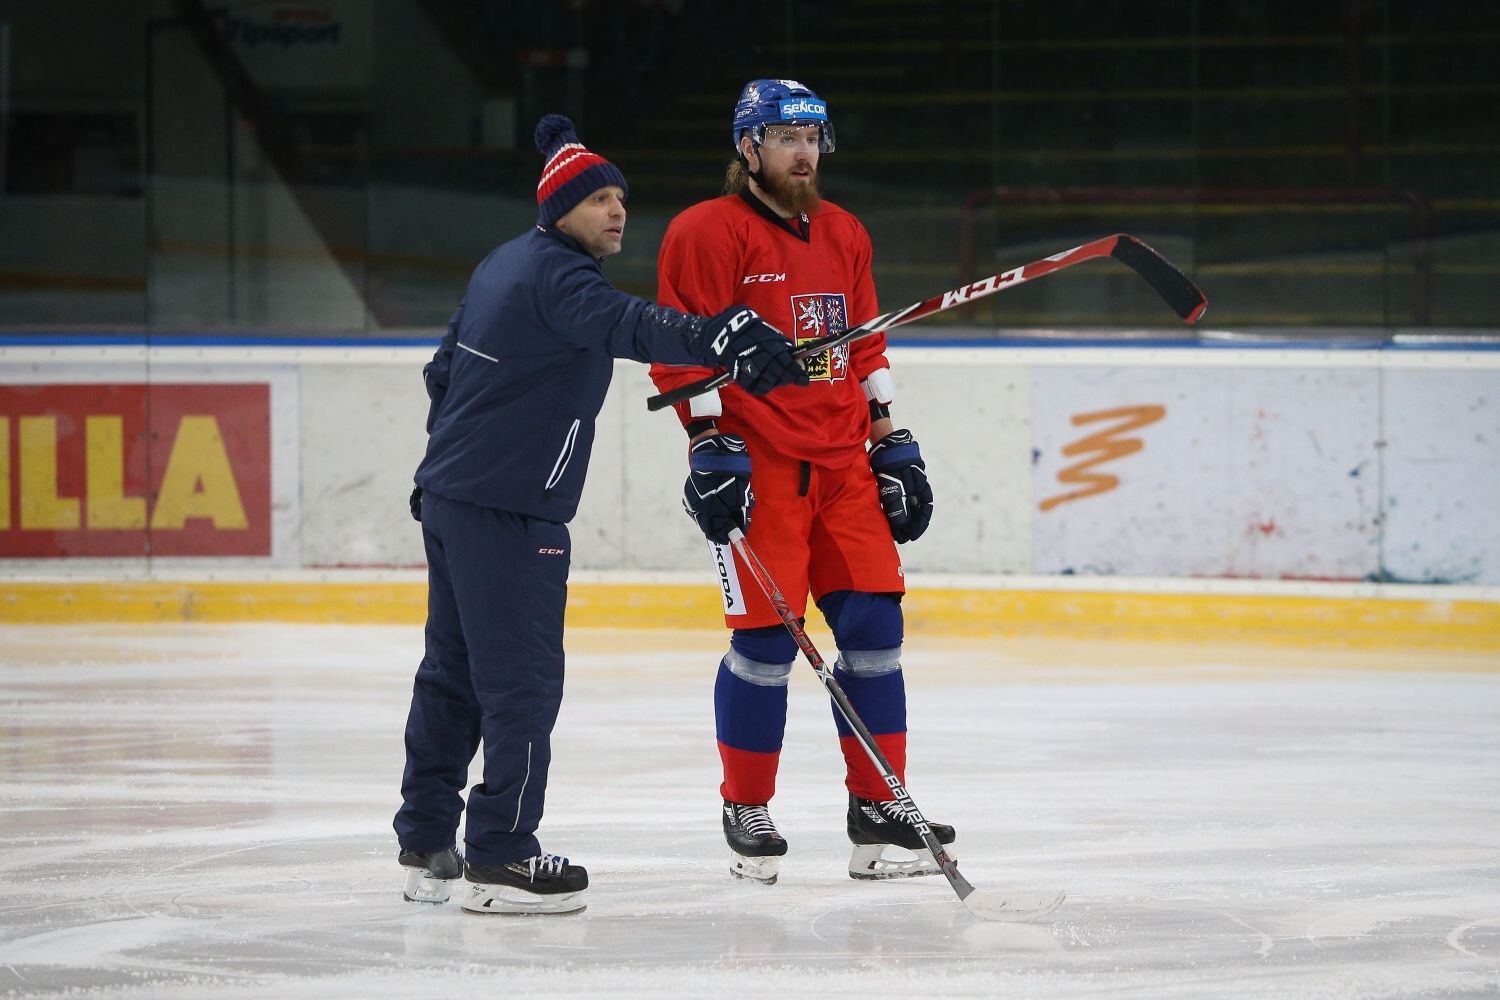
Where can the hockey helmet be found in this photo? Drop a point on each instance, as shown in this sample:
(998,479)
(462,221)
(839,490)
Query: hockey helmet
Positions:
(772,102)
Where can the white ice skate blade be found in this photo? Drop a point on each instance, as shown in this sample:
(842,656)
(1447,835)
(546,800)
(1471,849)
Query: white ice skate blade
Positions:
(870,861)
(1015,904)
(762,870)
(503,899)
(423,888)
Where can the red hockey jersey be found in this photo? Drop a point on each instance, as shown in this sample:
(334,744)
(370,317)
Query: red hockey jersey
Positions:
(726,252)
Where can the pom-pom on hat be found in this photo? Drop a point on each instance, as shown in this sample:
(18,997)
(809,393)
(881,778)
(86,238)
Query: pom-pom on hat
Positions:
(572,172)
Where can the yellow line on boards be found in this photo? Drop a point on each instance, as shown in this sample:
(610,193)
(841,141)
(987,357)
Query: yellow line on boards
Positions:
(1341,622)
(62,602)
(1325,622)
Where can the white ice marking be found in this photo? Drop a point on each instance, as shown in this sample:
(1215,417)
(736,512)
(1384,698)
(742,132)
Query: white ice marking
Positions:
(1266,942)
(1457,934)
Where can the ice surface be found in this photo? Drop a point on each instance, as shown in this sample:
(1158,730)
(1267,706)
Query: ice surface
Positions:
(196,810)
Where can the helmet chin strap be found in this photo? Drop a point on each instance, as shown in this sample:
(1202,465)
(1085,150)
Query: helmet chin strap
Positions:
(755,175)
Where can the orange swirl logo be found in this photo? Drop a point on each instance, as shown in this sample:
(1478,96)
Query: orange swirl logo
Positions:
(1104,445)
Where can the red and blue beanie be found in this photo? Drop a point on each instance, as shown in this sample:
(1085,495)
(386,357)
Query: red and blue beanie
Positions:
(572,172)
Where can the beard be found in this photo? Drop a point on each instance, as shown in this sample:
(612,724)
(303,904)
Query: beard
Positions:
(796,195)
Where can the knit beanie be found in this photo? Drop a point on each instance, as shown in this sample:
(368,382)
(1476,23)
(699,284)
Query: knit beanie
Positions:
(572,172)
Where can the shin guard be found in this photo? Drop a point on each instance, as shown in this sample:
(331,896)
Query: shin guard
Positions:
(881,704)
(750,723)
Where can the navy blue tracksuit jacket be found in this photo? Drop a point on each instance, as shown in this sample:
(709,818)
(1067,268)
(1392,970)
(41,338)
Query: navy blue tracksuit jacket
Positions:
(522,373)
(515,387)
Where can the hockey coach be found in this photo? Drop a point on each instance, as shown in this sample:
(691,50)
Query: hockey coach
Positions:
(515,387)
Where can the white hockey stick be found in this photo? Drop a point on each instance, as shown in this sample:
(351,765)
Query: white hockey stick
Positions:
(989,904)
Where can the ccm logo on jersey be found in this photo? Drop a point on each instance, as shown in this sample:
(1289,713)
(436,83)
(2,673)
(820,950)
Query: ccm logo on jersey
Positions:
(550,552)
(751,279)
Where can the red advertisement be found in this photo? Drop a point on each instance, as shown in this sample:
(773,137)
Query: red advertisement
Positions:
(135,469)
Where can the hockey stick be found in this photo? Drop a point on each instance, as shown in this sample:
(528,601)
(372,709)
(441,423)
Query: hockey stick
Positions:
(1171,284)
(986,903)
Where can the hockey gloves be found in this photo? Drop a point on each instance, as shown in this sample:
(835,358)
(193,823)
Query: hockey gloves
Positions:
(901,477)
(758,356)
(717,493)
(415,503)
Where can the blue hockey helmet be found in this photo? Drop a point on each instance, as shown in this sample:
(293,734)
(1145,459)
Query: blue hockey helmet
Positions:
(771,102)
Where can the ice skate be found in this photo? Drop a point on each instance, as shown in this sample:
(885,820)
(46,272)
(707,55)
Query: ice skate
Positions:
(430,876)
(755,848)
(876,828)
(543,884)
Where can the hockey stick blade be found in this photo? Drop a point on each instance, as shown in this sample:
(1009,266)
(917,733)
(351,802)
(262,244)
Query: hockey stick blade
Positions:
(1016,905)
(1186,300)
(1171,284)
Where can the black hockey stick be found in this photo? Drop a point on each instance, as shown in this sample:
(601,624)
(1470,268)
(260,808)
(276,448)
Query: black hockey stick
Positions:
(989,904)
(1171,284)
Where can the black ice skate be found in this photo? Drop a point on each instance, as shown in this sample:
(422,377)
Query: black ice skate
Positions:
(874,826)
(755,848)
(543,884)
(430,876)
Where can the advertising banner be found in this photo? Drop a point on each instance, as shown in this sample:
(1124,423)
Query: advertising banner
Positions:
(1267,473)
(129,469)
(293,45)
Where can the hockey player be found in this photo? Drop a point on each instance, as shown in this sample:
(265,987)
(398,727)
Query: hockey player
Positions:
(515,386)
(820,522)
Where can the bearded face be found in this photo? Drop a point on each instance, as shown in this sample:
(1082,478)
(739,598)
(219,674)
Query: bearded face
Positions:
(794,187)
(788,158)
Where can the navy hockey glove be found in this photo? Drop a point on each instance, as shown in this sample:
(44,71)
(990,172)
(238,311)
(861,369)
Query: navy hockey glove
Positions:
(415,503)
(717,493)
(901,477)
(758,356)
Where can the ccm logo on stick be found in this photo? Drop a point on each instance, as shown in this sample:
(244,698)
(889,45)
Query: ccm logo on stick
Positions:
(979,288)
(751,279)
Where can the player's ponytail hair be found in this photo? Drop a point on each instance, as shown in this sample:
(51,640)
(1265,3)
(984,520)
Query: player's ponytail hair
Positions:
(736,177)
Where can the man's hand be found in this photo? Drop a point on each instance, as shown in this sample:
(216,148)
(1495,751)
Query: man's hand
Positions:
(717,493)
(901,477)
(415,502)
(758,356)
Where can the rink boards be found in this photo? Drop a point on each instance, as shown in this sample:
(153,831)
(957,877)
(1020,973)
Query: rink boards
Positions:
(1099,490)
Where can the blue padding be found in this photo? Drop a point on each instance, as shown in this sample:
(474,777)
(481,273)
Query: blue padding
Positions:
(898,454)
(863,621)
(879,701)
(748,716)
(772,644)
(737,465)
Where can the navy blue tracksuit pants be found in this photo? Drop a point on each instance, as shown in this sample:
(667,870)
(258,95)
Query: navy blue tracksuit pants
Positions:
(492,673)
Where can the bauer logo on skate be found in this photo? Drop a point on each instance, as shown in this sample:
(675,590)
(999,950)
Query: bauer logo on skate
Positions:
(821,315)
(119,470)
